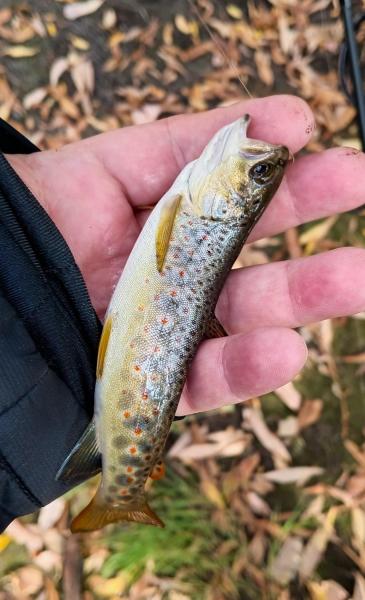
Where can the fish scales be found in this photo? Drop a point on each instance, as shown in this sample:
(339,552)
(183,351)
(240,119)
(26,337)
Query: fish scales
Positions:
(169,324)
(160,311)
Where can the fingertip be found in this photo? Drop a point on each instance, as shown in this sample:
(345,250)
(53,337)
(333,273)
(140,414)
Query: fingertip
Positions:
(265,359)
(239,367)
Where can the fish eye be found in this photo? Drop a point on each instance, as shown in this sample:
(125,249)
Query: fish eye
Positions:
(261,172)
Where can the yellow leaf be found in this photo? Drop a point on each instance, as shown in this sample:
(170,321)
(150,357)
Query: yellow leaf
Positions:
(51,29)
(79,43)
(187,27)
(4,541)
(20,51)
(234,11)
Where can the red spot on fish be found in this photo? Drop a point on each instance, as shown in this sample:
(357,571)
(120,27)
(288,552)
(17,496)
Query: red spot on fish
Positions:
(204,237)
(173,293)
(190,223)
(129,469)
(130,479)
(132,449)
(145,396)
(186,238)
(155,411)
(123,492)
(127,414)
(137,368)
(181,273)
(156,349)
(138,431)
(164,321)
(140,307)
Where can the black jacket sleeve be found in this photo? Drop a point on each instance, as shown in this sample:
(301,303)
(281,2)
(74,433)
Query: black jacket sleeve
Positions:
(49,334)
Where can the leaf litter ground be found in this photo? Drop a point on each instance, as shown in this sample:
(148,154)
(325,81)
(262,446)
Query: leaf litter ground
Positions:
(264,500)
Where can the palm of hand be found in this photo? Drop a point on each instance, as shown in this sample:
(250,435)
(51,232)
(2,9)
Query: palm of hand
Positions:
(96,191)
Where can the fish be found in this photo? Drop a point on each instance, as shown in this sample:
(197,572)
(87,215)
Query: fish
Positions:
(163,306)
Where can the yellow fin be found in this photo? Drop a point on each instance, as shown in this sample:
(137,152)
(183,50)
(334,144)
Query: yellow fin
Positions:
(98,513)
(164,229)
(158,471)
(103,344)
(214,329)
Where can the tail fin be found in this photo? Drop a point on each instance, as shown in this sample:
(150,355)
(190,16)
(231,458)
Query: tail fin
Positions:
(97,514)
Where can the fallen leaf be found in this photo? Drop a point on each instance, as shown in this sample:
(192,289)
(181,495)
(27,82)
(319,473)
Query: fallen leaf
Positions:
(298,475)
(317,545)
(309,413)
(4,541)
(253,420)
(58,68)
(109,19)
(20,51)
(326,590)
(34,98)
(263,64)
(286,563)
(316,233)
(288,427)
(290,396)
(50,514)
(359,590)
(234,11)
(81,9)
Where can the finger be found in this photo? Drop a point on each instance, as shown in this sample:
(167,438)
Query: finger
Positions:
(239,367)
(315,186)
(146,159)
(294,292)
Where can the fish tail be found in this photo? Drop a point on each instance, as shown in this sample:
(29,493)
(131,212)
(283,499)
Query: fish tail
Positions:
(98,513)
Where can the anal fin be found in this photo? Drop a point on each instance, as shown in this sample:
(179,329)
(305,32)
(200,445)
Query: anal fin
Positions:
(84,460)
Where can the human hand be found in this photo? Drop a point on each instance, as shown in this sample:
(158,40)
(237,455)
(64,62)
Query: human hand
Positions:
(96,191)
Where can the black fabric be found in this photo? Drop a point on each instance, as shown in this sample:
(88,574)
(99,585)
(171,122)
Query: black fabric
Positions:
(49,335)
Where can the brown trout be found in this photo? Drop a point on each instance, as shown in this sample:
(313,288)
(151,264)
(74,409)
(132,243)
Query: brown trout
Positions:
(162,307)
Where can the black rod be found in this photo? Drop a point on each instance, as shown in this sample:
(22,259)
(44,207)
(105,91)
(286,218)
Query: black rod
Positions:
(346,6)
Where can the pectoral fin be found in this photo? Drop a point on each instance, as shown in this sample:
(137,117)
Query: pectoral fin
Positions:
(98,513)
(164,229)
(103,344)
(214,329)
(84,460)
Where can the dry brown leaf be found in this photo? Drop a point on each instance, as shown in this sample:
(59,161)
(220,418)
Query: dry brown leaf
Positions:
(109,19)
(316,233)
(147,114)
(34,98)
(81,9)
(309,413)
(257,504)
(358,529)
(187,27)
(24,534)
(326,590)
(253,420)
(317,545)
(58,68)
(286,563)
(20,51)
(232,443)
(359,590)
(26,582)
(288,427)
(298,475)
(106,588)
(290,396)
(50,514)
(264,69)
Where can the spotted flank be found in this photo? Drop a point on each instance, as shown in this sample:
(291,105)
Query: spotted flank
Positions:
(162,307)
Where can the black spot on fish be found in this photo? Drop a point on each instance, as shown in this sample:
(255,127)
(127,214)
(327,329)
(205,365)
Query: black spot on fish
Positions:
(119,441)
